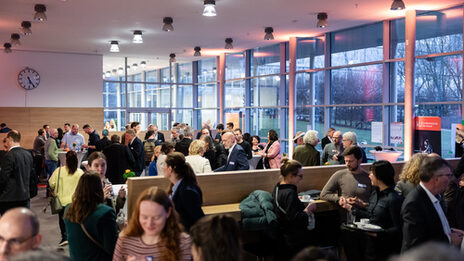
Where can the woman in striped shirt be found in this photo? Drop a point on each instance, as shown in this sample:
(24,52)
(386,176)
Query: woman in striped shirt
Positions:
(154,231)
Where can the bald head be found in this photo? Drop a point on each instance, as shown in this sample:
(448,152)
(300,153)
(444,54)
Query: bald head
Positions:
(19,232)
(228,139)
(54,133)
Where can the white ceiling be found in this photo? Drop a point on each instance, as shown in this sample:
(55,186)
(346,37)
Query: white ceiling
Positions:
(87,26)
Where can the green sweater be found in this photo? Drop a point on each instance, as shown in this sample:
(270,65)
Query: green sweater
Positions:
(51,150)
(101,225)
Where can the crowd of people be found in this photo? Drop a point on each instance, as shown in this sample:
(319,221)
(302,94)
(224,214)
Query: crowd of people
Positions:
(426,204)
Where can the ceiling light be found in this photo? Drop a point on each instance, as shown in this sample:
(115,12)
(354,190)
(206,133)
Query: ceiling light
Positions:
(40,13)
(114,72)
(167,27)
(268,35)
(172,58)
(114,47)
(15,39)
(128,67)
(197,50)
(108,74)
(137,37)
(134,67)
(210,9)
(26,28)
(7,47)
(120,71)
(322,20)
(143,64)
(397,5)
(229,43)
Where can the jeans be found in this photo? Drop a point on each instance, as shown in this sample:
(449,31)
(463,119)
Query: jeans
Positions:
(50,165)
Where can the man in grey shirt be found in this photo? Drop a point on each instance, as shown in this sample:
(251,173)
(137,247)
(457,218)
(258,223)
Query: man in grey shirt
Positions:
(332,152)
(349,185)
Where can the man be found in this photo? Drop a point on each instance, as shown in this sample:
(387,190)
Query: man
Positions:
(220,129)
(135,126)
(237,159)
(298,139)
(93,139)
(46,128)
(149,145)
(307,154)
(184,144)
(103,142)
(118,159)
(38,151)
(328,138)
(136,147)
(66,128)
(230,126)
(4,128)
(245,145)
(205,130)
(73,140)
(51,153)
(423,216)
(332,151)
(344,186)
(175,132)
(159,137)
(350,139)
(17,175)
(19,232)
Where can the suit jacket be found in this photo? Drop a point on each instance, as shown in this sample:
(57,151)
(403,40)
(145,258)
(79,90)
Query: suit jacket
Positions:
(325,141)
(273,155)
(16,176)
(187,201)
(237,160)
(160,139)
(183,146)
(119,158)
(139,154)
(421,222)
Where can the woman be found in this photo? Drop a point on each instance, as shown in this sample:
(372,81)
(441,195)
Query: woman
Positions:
(409,177)
(152,171)
(63,183)
(195,158)
(255,144)
(216,237)
(247,137)
(271,153)
(210,151)
(292,215)
(383,210)
(97,163)
(166,148)
(184,190)
(154,231)
(90,224)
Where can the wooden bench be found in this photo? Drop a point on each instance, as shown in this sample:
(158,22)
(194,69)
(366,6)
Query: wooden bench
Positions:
(222,192)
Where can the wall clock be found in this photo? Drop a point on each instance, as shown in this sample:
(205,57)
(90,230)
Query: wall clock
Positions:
(28,78)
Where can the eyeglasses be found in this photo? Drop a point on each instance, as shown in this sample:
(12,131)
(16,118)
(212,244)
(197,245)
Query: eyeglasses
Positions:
(15,242)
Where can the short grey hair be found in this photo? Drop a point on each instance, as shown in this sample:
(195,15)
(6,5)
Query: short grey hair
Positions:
(431,251)
(176,129)
(351,136)
(311,137)
(188,131)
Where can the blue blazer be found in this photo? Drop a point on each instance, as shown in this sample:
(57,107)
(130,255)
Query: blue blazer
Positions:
(237,161)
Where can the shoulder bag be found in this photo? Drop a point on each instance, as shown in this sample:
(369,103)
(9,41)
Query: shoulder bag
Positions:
(55,203)
(93,240)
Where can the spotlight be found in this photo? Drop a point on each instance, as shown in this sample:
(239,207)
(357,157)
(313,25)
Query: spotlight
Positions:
(167,27)
(15,39)
(114,47)
(26,28)
(197,50)
(397,5)
(134,67)
(268,35)
(210,9)
(120,71)
(108,74)
(128,67)
(143,64)
(172,58)
(137,37)
(114,72)
(229,43)
(322,20)
(40,13)
(7,47)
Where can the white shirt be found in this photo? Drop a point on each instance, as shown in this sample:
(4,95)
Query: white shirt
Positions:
(230,150)
(14,147)
(441,214)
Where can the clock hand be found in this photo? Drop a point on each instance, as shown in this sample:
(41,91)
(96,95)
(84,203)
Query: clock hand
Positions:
(30,81)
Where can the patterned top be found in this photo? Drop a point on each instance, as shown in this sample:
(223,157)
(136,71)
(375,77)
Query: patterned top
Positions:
(134,246)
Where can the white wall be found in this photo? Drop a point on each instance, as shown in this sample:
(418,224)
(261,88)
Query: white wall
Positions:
(66,80)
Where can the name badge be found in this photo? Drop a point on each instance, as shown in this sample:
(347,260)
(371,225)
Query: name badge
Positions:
(231,163)
(362,185)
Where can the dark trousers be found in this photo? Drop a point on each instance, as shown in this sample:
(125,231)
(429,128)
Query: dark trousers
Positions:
(38,160)
(5,206)
(62,226)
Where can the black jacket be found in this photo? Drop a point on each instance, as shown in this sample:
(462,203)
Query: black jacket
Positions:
(16,174)
(136,147)
(103,143)
(183,146)
(247,148)
(187,201)
(325,141)
(119,158)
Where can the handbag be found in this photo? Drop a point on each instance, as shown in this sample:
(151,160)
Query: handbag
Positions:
(55,203)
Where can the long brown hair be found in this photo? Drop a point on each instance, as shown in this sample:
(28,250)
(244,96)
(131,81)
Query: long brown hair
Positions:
(171,233)
(71,162)
(88,194)
(176,161)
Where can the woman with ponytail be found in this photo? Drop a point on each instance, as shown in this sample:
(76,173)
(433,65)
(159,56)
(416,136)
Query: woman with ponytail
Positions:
(183,190)
(154,231)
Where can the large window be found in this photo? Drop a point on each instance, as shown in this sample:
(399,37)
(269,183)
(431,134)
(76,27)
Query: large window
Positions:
(310,53)
(235,66)
(265,60)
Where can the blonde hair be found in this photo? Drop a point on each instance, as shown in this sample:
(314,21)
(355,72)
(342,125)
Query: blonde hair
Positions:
(411,168)
(197,147)
(156,150)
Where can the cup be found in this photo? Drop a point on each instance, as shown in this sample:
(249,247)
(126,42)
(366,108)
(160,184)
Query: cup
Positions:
(364,221)
(306,197)
(350,218)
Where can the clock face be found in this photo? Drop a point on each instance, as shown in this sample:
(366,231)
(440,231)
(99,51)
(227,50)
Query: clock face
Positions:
(29,78)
